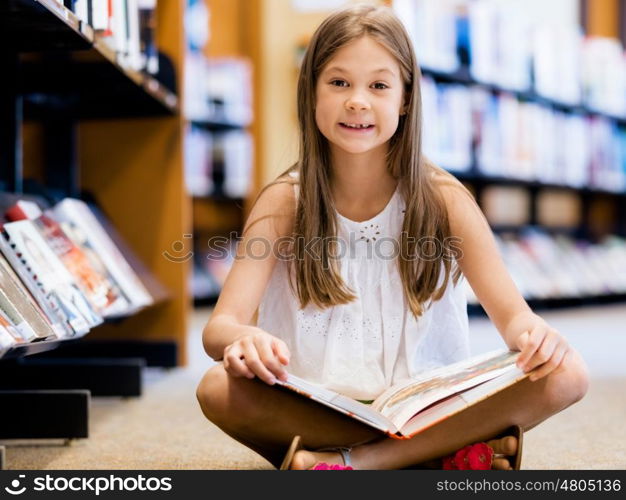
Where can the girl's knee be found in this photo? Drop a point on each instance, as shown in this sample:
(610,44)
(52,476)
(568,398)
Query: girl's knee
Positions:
(211,391)
(570,382)
(225,400)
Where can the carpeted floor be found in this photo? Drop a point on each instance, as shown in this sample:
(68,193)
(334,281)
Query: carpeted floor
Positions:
(164,429)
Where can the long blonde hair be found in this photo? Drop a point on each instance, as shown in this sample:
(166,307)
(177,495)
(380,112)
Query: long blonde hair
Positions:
(317,280)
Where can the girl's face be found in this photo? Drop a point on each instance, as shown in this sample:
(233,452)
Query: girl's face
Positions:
(359,97)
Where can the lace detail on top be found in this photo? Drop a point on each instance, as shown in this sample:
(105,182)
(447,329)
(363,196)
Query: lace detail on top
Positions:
(361,348)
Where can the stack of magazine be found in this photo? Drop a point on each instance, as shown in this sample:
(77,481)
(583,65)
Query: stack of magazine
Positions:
(61,274)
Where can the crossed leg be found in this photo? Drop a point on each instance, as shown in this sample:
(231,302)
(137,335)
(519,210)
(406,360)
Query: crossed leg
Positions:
(265,419)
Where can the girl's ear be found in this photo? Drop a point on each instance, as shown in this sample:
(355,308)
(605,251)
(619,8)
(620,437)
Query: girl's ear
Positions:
(404,108)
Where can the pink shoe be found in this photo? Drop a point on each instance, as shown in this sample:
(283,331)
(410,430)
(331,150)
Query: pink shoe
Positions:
(325,466)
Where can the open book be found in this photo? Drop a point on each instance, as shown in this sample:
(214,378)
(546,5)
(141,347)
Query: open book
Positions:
(411,406)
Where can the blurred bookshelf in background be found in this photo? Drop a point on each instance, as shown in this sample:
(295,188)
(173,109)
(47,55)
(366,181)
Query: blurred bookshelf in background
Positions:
(218,149)
(531,116)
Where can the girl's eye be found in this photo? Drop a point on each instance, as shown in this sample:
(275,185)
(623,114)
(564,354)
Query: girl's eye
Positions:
(339,83)
(380,86)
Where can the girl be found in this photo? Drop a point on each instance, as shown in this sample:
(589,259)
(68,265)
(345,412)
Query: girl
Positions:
(353,257)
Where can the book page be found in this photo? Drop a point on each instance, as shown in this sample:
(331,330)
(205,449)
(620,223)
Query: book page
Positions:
(459,401)
(400,403)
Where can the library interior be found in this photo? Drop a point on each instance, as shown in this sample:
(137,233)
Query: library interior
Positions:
(137,135)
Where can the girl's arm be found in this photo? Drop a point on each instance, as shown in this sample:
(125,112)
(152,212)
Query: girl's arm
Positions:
(247,350)
(540,345)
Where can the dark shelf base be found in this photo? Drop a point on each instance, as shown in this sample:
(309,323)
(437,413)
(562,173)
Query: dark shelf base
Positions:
(102,377)
(210,300)
(44,414)
(560,303)
(21,19)
(159,354)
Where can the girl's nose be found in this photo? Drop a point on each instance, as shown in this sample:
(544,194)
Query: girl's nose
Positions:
(357,103)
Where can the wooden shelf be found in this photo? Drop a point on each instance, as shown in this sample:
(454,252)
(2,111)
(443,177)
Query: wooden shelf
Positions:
(476,177)
(462,76)
(27,349)
(214,215)
(32,25)
(217,125)
(560,303)
(72,71)
(204,301)
(220,198)
(89,90)
(553,230)
(134,167)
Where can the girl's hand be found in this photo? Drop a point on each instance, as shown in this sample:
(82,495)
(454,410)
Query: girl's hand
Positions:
(543,348)
(257,353)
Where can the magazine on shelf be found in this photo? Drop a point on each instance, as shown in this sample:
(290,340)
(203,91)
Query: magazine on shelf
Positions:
(6,340)
(20,308)
(89,273)
(43,273)
(409,407)
(9,333)
(79,215)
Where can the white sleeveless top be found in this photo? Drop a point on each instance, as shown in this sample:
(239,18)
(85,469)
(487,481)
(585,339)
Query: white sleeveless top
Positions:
(361,348)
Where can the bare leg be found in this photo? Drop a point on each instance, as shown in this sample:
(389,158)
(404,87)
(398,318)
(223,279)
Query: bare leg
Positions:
(265,419)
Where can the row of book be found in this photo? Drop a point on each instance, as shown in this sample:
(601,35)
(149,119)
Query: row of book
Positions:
(511,206)
(61,274)
(503,46)
(507,137)
(127,27)
(218,90)
(543,266)
(547,266)
(218,163)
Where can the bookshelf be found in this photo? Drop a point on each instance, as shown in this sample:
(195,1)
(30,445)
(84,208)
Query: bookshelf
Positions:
(82,124)
(495,154)
(478,180)
(76,122)
(222,212)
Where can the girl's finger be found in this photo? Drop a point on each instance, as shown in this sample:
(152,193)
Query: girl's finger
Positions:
(535,338)
(551,365)
(254,363)
(235,365)
(266,355)
(522,340)
(545,351)
(280,349)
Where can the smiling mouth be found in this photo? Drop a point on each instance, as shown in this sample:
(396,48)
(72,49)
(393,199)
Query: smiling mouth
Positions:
(356,126)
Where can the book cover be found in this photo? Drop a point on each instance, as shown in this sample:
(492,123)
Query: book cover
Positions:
(6,340)
(411,406)
(33,316)
(35,290)
(9,331)
(80,216)
(9,311)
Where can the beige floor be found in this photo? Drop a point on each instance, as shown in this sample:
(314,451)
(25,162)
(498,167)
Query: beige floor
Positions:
(164,429)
